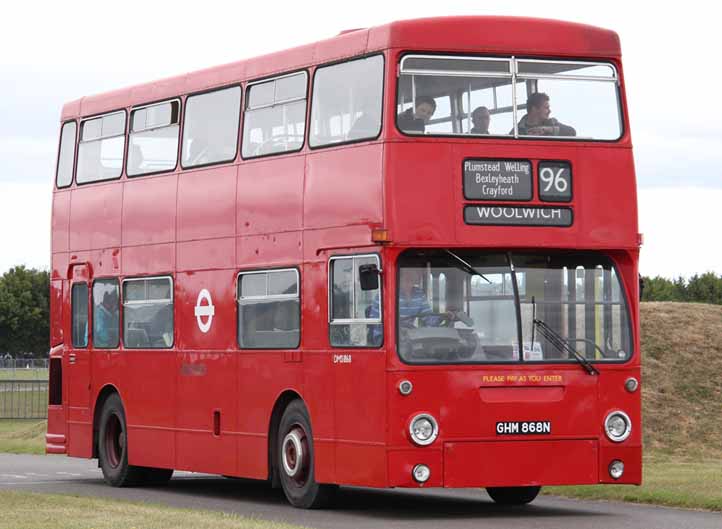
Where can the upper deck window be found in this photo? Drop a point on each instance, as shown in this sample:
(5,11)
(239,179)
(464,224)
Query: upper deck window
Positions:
(275,116)
(100,153)
(154,138)
(66,156)
(475,96)
(347,101)
(210,127)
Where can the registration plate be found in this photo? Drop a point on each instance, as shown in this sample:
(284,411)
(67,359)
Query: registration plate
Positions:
(524,428)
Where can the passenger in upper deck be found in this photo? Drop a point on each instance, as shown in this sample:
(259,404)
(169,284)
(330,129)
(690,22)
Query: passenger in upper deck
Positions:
(481,119)
(537,122)
(414,120)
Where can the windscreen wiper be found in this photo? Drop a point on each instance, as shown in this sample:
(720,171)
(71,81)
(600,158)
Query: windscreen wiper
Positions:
(466,267)
(558,341)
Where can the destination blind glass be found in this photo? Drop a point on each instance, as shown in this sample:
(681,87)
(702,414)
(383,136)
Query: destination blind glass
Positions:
(504,215)
(497,180)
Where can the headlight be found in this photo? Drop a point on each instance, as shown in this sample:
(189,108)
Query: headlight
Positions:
(617,426)
(423,429)
(616,469)
(421,473)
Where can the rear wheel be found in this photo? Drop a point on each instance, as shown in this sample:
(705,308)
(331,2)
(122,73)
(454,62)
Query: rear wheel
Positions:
(113,450)
(513,495)
(113,446)
(296,460)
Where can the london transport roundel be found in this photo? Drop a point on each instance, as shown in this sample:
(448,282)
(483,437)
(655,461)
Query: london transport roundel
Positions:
(204,311)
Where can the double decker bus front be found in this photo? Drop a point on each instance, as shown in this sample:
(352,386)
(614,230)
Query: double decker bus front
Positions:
(511,205)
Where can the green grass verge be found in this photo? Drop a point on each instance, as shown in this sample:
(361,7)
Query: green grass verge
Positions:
(24,374)
(22,437)
(24,510)
(671,482)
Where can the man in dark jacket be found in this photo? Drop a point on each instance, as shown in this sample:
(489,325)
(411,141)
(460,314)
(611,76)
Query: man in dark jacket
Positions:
(414,120)
(537,122)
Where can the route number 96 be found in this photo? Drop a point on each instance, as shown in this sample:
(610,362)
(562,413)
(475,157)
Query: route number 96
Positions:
(555,181)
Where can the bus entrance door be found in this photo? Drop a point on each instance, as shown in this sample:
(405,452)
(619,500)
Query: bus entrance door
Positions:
(77,364)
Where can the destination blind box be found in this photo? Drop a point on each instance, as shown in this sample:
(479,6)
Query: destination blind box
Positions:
(511,180)
(498,180)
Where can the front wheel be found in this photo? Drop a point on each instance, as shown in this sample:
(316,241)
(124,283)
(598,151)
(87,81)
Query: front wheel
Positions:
(513,495)
(296,460)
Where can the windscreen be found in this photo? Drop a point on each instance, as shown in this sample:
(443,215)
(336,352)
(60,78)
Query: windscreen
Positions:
(475,307)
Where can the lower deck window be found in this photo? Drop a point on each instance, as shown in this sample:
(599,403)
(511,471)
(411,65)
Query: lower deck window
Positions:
(106,314)
(269,310)
(355,315)
(79,302)
(148,313)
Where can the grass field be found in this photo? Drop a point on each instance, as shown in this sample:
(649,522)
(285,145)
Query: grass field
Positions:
(23,374)
(23,510)
(682,379)
(672,482)
(22,437)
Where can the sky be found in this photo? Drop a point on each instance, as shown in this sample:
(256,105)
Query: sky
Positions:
(56,52)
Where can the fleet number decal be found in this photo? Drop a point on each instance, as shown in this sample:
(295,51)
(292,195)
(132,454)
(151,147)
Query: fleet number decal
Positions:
(523,428)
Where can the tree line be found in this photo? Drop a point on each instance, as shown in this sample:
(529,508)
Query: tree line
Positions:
(24,313)
(705,288)
(25,305)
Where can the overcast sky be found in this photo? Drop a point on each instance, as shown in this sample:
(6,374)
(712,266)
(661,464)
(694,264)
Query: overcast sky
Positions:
(57,52)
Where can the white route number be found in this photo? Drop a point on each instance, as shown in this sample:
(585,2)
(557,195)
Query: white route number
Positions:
(549,178)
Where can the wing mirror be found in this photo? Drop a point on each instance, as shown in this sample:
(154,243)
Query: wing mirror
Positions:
(369,276)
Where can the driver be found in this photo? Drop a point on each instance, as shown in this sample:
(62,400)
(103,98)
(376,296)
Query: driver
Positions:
(413,302)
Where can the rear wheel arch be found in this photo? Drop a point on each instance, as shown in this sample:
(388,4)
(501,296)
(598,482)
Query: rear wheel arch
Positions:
(103,396)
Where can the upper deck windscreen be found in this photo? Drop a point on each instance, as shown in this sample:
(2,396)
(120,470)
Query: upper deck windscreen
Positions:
(518,98)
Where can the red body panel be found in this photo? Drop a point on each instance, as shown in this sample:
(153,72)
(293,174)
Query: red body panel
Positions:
(206,405)
(505,464)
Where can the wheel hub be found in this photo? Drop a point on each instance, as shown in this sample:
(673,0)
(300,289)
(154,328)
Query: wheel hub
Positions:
(294,455)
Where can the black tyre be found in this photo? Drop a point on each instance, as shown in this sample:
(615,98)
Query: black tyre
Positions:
(156,476)
(113,446)
(513,495)
(295,460)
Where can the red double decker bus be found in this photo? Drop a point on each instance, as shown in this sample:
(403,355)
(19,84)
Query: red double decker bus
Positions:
(405,256)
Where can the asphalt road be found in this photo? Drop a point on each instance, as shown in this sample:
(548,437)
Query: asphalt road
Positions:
(355,508)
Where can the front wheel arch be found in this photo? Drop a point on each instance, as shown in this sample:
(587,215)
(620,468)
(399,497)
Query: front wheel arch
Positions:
(296,455)
(282,402)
